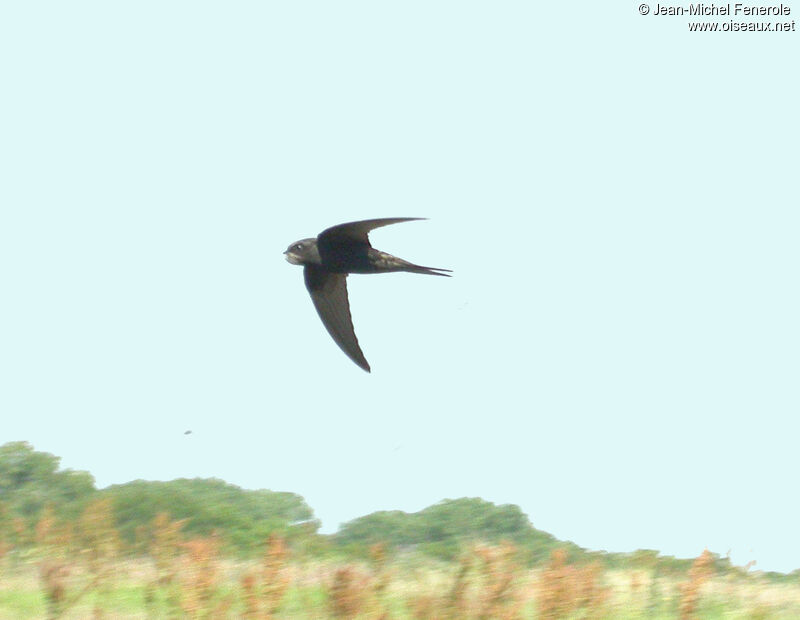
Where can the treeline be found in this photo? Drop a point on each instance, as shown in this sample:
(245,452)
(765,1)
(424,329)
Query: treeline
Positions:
(32,485)
(442,530)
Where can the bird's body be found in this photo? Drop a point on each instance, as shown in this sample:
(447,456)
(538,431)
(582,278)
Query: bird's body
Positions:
(329,258)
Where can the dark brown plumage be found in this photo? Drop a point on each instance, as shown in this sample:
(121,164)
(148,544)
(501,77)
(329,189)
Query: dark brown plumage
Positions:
(329,258)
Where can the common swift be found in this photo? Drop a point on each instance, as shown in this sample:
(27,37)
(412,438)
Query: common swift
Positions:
(328,259)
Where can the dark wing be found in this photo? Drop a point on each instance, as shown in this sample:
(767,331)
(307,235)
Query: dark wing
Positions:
(358,231)
(329,294)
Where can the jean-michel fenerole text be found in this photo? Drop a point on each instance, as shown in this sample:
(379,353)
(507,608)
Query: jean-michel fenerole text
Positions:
(736,9)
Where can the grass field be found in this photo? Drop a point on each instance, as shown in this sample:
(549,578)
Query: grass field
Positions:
(258,555)
(486,583)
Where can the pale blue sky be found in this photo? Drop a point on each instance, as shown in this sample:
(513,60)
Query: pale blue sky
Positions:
(618,352)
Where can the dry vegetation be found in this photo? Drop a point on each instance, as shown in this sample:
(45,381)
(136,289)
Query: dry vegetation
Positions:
(78,571)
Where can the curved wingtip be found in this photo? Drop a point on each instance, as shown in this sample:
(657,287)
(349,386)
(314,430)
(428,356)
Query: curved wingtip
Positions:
(329,293)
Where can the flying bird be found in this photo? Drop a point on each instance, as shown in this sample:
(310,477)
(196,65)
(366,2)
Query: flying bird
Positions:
(328,259)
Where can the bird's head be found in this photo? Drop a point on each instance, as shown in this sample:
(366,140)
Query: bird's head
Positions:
(303,252)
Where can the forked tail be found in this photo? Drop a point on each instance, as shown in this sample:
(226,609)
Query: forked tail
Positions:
(431,271)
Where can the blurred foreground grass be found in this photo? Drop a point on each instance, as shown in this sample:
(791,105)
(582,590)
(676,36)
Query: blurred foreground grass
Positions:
(193,580)
(69,550)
